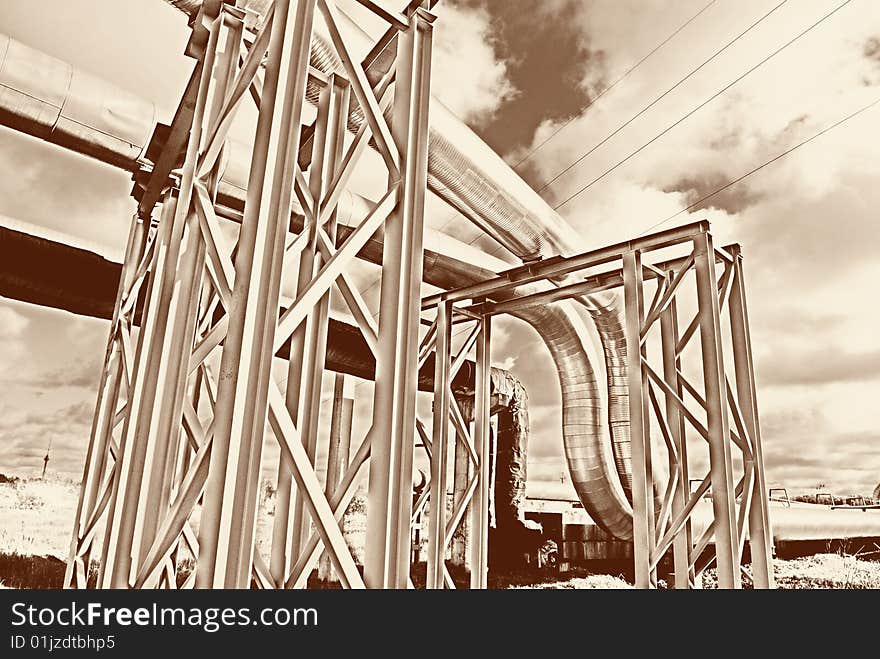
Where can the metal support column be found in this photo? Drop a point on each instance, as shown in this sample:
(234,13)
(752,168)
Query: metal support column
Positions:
(439,451)
(642,475)
(341,416)
(328,144)
(97,468)
(683,543)
(760,532)
(479,539)
(386,563)
(229,516)
(723,497)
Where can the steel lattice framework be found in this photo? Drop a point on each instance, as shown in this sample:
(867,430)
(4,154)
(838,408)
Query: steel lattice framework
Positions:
(658,380)
(170,430)
(173,469)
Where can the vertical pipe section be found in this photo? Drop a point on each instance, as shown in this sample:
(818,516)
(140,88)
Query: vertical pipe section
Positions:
(720,469)
(460,477)
(228,523)
(386,563)
(760,533)
(439,451)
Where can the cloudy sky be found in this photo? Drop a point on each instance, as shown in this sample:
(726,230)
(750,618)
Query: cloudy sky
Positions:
(519,71)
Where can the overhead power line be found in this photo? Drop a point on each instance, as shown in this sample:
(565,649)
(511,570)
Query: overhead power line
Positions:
(718,52)
(702,105)
(730,184)
(607,89)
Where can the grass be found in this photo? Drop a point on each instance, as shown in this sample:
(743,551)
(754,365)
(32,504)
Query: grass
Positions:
(819,572)
(17,571)
(36,518)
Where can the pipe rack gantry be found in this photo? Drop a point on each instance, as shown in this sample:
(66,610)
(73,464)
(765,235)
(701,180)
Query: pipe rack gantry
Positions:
(200,361)
(167,380)
(659,384)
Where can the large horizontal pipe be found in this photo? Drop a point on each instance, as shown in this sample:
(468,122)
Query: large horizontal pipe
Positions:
(51,272)
(459,163)
(798,522)
(48,98)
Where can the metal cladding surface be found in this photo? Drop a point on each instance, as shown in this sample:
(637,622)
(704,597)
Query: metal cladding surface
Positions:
(48,98)
(466,172)
(806,522)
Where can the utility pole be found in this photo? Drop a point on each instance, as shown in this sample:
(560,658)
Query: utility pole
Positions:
(46,460)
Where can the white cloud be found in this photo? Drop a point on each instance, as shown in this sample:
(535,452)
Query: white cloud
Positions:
(807,223)
(12,335)
(12,323)
(467,77)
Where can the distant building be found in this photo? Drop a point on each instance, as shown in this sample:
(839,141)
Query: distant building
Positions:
(577,536)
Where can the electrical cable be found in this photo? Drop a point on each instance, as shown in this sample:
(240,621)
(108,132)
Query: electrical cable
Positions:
(701,105)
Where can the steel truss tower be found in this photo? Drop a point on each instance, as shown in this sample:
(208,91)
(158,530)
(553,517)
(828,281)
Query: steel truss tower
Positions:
(174,459)
(669,408)
(173,470)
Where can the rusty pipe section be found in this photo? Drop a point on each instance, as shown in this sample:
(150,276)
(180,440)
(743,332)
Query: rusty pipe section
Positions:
(116,126)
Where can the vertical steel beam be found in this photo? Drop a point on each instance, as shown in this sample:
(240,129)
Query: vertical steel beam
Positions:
(436,561)
(309,342)
(228,521)
(760,532)
(163,424)
(723,498)
(105,409)
(479,539)
(341,417)
(153,373)
(116,562)
(683,542)
(642,475)
(386,563)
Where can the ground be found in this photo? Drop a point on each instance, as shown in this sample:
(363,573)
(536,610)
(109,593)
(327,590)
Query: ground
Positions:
(36,518)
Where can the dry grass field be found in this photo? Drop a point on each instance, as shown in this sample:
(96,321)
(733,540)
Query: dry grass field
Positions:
(36,518)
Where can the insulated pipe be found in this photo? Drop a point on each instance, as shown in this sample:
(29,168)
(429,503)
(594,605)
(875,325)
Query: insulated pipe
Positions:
(48,98)
(495,198)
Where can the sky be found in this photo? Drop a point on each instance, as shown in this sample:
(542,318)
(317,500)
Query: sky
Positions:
(518,71)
